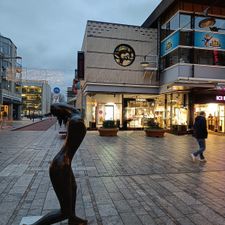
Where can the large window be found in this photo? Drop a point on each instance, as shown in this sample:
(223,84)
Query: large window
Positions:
(170,59)
(169,27)
(185,55)
(186,37)
(185,21)
(209,57)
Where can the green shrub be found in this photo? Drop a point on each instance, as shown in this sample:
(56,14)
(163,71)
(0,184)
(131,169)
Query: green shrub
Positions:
(151,124)
(109,124)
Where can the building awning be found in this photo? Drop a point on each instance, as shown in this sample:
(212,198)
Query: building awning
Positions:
(120,88)
(187,83)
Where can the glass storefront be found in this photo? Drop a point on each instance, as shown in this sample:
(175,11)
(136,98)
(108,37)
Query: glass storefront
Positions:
(102,107)
(138,111)
(215,115)
(175,112)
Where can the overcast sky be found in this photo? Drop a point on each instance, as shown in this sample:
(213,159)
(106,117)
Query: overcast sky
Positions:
(48,33)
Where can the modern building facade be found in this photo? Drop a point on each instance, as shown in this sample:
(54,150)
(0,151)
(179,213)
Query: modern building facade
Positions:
(191,36)
(10,79)
(187,37)
(36,97)
(115,86)
(71,96)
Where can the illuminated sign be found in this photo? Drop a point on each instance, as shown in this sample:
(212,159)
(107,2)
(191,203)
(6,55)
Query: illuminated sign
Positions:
(220,98)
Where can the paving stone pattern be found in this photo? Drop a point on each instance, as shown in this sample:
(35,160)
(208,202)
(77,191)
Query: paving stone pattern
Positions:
(126,180)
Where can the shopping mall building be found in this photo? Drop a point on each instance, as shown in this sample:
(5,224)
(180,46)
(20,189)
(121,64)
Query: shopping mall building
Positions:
(169,68)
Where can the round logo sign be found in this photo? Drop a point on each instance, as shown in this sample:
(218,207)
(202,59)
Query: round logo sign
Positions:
(56,90)
(124,55)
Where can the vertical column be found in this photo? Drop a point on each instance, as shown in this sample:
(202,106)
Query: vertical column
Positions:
(171,109)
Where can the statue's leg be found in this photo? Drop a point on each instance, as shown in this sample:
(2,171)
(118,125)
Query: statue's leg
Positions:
(51,218)
(74,192)
(61,182)
(74,220)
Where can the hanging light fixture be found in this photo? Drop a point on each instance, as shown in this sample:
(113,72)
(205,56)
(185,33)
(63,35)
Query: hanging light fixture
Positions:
(144,63)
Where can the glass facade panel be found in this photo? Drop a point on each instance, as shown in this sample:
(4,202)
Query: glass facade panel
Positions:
(170,59)
(174,23)
(209,57)
(185,21)
(186,38)
(169,27)
(185,55)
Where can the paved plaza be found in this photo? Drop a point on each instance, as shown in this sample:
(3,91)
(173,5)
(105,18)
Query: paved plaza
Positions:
(126,180)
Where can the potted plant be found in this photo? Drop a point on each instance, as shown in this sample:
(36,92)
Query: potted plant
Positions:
(108,128)
(153,129)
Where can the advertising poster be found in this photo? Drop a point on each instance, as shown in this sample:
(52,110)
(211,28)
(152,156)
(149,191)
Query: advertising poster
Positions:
(209,40)
(170,43)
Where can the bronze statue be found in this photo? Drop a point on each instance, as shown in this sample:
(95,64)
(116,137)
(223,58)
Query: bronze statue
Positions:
(61,174)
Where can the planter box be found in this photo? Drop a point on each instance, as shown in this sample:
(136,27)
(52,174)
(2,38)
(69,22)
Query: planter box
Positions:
(155,133)
(108,131)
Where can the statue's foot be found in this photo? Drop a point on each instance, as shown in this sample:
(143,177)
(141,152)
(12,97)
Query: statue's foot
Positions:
(77,221)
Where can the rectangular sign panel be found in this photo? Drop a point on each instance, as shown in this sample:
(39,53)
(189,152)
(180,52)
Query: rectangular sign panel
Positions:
(209,40)
(170,43)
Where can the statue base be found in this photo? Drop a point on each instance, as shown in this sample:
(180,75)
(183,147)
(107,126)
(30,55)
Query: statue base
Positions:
(29,220)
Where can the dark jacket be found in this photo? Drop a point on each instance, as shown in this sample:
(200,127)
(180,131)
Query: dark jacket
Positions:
(200,128)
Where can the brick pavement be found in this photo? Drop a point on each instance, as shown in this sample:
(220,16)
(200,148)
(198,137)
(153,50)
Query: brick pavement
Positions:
(41,125)
(126,180)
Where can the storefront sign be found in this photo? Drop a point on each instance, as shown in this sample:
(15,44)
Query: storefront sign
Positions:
(209,40)
(220,98)
(170,43)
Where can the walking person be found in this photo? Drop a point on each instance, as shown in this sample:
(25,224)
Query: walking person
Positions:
(200,133)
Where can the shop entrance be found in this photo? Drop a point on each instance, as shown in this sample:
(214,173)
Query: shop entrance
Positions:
(137,112)
(214,115)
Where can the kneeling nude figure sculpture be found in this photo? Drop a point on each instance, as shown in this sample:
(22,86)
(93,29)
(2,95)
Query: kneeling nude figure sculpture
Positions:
(60,171)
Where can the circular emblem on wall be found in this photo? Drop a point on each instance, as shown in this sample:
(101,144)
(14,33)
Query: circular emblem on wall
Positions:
(124,55)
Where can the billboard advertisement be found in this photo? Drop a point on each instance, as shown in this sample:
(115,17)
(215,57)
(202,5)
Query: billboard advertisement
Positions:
(170,43)
(209,40)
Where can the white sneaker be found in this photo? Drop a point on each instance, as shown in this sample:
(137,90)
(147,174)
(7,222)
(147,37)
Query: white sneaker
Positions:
(193,157)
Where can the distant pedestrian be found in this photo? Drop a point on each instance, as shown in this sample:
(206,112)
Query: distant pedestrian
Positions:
(60,120)
(33,116)
(200,133)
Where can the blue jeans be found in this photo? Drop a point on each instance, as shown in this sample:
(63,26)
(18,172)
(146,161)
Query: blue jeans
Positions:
(202,146)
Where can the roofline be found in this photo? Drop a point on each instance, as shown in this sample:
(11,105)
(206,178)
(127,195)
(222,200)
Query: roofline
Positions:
(119,24)
(164,4)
